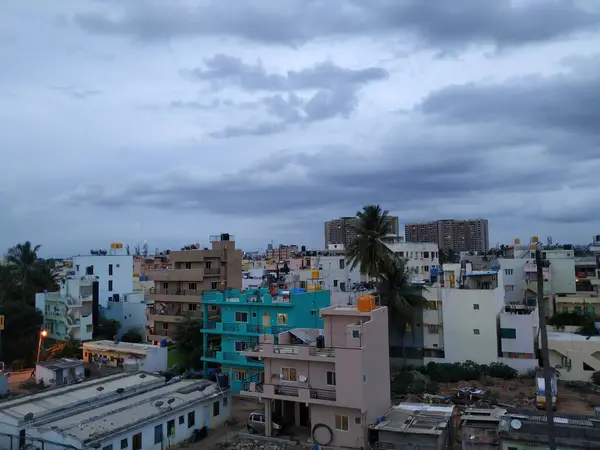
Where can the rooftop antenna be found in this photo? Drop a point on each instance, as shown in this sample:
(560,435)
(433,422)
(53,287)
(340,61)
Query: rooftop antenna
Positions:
(145,249)
(127,248)
(549,241)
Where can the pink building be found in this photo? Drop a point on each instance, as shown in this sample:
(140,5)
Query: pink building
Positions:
(335,381)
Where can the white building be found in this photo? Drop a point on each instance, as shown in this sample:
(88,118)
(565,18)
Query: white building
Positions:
(130,310)
(113,271)
(148,357)
(126,411)
(58,372)
(69,311)
(512,278)
(519,325)
(576,357)
(422,258)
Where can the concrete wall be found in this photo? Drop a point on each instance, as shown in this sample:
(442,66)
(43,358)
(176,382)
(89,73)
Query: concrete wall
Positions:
(352,437)
(50,377)
(122,273)
(511,277)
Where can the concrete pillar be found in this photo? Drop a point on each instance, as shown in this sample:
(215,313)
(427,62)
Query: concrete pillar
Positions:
(268,419)
(204,338)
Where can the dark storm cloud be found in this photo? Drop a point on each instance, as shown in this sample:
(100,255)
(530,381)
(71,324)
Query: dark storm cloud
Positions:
(449,23)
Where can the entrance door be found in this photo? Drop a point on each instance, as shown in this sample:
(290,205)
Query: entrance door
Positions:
(266,320)
(59,377)
(304,416)
(206,416)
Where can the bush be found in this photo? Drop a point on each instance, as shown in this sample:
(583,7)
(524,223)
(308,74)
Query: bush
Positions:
(18,364)
(467,371)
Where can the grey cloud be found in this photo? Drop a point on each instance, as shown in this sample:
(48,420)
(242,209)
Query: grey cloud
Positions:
(181,104)
(222,69)
(450,23)
(78,94)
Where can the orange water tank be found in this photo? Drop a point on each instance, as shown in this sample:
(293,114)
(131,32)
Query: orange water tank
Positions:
(366,303)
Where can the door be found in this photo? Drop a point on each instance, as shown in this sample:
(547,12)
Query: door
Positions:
(207,416)
(266,320)
(59,377)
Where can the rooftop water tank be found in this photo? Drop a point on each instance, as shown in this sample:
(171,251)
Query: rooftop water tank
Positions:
(366,303)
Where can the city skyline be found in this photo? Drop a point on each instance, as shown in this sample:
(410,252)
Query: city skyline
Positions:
(125,123)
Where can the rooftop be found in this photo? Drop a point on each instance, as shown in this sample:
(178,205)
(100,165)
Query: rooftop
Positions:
(481,273)
(416,418)
(119,346)
(564,336)
(63,363)
(53,402)
(96,423)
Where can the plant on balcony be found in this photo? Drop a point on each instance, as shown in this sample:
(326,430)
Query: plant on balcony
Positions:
(188,340)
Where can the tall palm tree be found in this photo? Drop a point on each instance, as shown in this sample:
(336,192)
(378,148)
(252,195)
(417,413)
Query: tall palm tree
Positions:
(369,249)
(22,261)
(402,298)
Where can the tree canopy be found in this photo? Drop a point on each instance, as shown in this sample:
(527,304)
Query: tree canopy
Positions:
(188,340)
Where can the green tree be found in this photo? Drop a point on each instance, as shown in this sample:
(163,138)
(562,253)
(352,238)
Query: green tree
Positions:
(21,260)
(369,249)
(22,324)
(402,298)
(69,348)
(133,335)
(446,256)
(188,340)
(107,329)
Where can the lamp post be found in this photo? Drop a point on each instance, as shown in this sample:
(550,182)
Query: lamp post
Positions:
(43,335)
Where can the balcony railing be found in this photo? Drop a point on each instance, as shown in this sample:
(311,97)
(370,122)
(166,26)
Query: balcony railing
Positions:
(175,312)
(289,391)
(316,351)
(210,353)
(212,272)
(210,325)
(231,356)
(323,394)
(257,379)
(160,332)
(152,291)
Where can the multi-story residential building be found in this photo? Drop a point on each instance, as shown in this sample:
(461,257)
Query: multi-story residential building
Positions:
(112,268)
(457,235)
(69,312)
(282,253)
(180,284)
(342,230)
(247,315)
(335,380)
(130,310)
(519,325)
(421,258)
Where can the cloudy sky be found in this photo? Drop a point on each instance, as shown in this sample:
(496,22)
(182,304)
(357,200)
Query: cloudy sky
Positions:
(170,121)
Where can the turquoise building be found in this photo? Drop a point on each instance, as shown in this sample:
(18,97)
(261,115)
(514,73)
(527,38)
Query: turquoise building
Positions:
(247,315)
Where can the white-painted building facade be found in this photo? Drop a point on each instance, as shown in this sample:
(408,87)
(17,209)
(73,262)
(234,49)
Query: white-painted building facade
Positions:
(422,258)
(135,411)
(69,311)
(519,325)
(59,372)
(147,357)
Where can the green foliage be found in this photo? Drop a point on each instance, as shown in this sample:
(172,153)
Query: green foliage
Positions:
(133,335)
(188,340)
(22,324)
(65,349)
(107,329)
(467,371)
(570,318)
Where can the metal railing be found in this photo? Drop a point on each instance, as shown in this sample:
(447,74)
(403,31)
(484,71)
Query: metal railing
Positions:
(289,391)
(323,394)
(211,353)
(212,271)
(154,291)
(316,351)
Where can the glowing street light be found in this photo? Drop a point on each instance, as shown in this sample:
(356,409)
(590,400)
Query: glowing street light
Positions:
(43,335)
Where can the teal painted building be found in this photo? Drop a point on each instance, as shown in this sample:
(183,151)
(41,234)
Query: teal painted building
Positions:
(247,315)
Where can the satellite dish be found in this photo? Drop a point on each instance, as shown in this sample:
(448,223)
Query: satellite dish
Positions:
(143,375)
(100,388)
(28,417)
(120,390)
(170,401)
(158,404)
(516,424)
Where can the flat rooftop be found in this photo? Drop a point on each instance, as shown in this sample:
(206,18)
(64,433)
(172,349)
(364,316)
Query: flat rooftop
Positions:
(96,423)
(119,346)
(347,310)
(53,401)
(62,363)
(564,336)
(416,418)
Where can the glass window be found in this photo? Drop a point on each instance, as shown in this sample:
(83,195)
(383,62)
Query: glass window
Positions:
(341,422)
(158,434)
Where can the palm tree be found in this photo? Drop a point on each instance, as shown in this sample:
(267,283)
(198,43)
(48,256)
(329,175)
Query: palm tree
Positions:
(369,249)
(22,261)
(402,298)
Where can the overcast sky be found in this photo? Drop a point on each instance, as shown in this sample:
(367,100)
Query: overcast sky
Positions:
(168,121)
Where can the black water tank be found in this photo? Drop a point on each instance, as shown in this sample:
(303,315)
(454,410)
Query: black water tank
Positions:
(224,236)
(303,248)
(223,380)
(320,341)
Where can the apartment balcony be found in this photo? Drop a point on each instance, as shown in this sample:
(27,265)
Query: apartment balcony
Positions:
(296,391)
(297,352)
(241,328)
(174,275)
(212,272)
(263,300)
(532,286)
(532,268)
(174,295)
(432,316)
(171,315)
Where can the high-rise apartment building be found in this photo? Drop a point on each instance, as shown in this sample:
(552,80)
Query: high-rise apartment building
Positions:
(458,235)
(341,231)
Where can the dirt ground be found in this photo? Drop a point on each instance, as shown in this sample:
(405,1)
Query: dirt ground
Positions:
(521,394)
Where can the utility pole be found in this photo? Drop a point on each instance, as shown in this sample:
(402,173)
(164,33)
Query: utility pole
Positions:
(548,371)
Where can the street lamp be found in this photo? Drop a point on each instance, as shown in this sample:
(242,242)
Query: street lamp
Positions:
(43,335)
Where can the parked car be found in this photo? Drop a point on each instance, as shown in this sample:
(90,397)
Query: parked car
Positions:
(256,423)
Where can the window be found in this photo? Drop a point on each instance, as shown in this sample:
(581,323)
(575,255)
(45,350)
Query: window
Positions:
(476,331)
(225,401)
(577,309)
(240,346)
(192,286)
(107,447)
(214,285)
(433,329)
(342,263)
(165,285)
(588,368)
(364,378)
(303,285)
(425,254)
(188,265)
(124,443)
(89,328)
(341,422)
(181,420)
(408,328)
(508,271)
(509,288)
(208,264)
(165,325)
(171,428)
(343,287)
(110,285)
(508,333)
(425,268)
(192,306)
(289,374)
(565,362)
(158,434)
(355,334)
(565,309)
(216,408)
(476,306)
(136,441)
(433,305)
(335,283)
(240,375)
(330,378)
(191,419)
(358,420)
(77,267)
(110,269)
(282,319)
(214,308)
(241,316)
